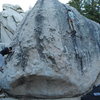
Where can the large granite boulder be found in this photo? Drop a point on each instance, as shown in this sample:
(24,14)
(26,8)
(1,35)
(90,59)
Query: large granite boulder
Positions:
(10,18)
(49,60)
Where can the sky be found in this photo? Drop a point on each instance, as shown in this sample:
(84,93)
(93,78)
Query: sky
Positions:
(24,4)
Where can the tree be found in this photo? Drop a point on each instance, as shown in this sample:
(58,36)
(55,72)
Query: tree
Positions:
(88,8)
(76,4)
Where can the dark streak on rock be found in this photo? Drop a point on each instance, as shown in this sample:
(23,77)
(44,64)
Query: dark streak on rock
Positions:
(79,58)
(38,30)
(79,61)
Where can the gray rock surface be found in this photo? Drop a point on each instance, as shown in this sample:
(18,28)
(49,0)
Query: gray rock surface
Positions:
(10,18)
(97,81)
(49,60)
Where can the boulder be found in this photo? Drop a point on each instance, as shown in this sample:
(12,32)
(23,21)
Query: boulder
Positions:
(14,7)
(50,61)
(10,18)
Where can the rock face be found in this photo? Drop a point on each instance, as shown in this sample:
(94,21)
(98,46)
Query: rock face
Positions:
(10,18)
(49,60)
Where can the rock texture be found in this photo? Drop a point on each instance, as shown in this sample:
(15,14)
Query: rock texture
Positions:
(10,18)
(49,60)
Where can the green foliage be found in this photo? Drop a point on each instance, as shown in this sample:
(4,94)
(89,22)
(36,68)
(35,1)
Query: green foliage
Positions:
(88,8)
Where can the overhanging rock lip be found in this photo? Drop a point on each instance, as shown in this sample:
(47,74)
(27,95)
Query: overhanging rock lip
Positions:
(43,87)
